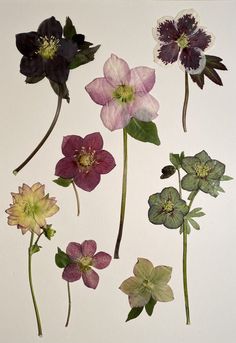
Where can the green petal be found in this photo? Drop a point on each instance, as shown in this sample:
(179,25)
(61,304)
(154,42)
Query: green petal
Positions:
(182,206)
(174,220)
(190,182)
(204,185)
(155,216)
(143,268)
(154,199)
(162,292)
(217,169)
(170,193)
(188,164)
(139,300)
(161,274)
(203,156)
(130,285)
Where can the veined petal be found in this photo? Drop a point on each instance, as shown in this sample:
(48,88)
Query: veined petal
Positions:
(27,43)
(104,162)
(162,292)
(90,278)
(143,268)
(71,144)
(115,116)
(192,60)
(217,169)
(201,39)
(203,156)
(187,21)
(89,247)
(170,193)
(144,107)
(50,27)
(189,162)
(93,141)
(155,215)
(190,182)
(87,180)
(66,168)
(39,188)
(139,300)
(174,219)
(154,199)
(100,90)
(142,79)
(32,66)
(101,260)
(131,285)
(74,250)
(161,274)
(71,273)
(116,71)
(165,30)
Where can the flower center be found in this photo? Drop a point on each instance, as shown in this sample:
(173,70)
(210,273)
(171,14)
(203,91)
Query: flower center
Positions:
(85,263)
(48,47)
(86,160)
(202,170)
(182,41)
(123,94)
(148,285)
(30,209)
(168,206)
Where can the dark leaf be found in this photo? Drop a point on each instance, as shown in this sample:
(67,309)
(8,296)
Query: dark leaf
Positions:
(83,56)
(215,62)
(167,171)
(34,79)
(63,182)
(60,89)
(69,30)
(199,79)
(143,131)
(213,76)
(150,306)
(61,258)
(134,313)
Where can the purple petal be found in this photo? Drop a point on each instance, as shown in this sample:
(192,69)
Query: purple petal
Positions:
(71,273)
(165,31)
(32,66)
(193,60)
(74,250)
(93,141)
(71,145)
(90,278)
(100,90)
(200,39)
(66,168)
(104,162)
(50,27)
(116,71)
(101,260)
(27,43)
(187,21)
(57,69)
(145,107)
(67,49)
(142,79)
(167,53)
(87,180)
(115,116)
(89,247)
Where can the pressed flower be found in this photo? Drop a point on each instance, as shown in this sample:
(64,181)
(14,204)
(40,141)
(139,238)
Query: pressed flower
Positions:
(148,283)
(30,208)
(124,93)
(84,160)
(167,208)
(203,173)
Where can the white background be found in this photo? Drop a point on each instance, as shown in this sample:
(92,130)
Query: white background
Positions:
(123,28)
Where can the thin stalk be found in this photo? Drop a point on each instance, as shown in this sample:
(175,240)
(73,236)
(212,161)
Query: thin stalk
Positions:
(40,333)
(185,106)
(38,147)
(69,304)
(77,198)
(123,198)
(185,281)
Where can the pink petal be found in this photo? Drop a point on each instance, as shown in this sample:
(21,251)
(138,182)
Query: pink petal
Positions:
(93,141)
(66,168)
(100,90)
(104,162)
(144,107)
(89,247)
(90,278)
(101,260)
(116,71)
(74,250)
(87,180)
(71,144)
(71,273)
(115,116)
(142,79)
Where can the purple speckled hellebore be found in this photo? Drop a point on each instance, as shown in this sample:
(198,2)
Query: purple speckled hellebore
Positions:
(181,38)
(83,258)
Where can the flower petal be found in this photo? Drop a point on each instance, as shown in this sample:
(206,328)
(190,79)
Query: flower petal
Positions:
(192,60)
(116,71)
(144,107)
(104,162)
(139,300)
(167,53)
(190,182)
(155,215)
(66,168)
(217,169)
(115,116)
(101,260)
(87,180)
(27,43)
(50,27)
(187,21)
(32,66)
(74,250)
(71,144)
(142,79)
(174,219)
(67,49)
(89,247)
(90,278)
(71,273)
(93,141)
(154,199)
(143,268)
(170,193)
(203,156)
(57,69)
(165,31)
(189,162)
(162,292)
(100,91)
(131,285)
(201,39)
(161,274)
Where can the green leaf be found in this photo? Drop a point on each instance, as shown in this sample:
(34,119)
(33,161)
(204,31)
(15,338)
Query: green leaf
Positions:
(83,56)
(34,79)
(134,313)
(143,131)
(192,195)
(60,89)
(194,224)
(61,259)
(150,306)
(226,178)
(63,182)
(196,212)
(175,160)
(35,248)
(69,30)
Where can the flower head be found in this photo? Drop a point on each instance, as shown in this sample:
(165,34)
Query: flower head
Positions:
(30,208)
(84,160)
(167,208)
(124,93)
(202,173)
(181,38)
(148,281)
(82,259)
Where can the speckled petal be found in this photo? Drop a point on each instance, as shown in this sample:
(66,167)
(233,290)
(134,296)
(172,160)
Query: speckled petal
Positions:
(89,247)
(90,278)
(192,60)
(74,250)
(167,53)
(201,39)
(71,273)
(101,260)
(165,30)
(71,145)
(187,21)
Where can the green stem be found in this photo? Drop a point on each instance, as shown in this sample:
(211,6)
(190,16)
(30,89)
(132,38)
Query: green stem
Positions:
(186,96)
(179,180)
(77,198)
(69,304)
(185,281)
(23,164)
(31,285)
(123,198)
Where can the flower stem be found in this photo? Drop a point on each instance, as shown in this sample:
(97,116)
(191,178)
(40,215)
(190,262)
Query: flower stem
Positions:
(123,198)
(23,164)
(77,198)
(185,282)
(186,96)
(31,285)
(69,304)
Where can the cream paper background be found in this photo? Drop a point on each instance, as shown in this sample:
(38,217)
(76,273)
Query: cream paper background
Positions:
(123,28)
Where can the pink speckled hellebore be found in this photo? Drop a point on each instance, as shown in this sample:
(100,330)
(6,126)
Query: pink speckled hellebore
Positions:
(124,93)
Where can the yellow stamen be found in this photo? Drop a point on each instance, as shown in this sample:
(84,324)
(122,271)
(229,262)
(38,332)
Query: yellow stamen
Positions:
(48,47)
